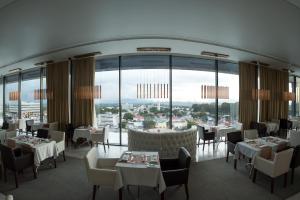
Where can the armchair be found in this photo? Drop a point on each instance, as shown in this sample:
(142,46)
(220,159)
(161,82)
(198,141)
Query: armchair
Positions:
(232,139)
(16,160)
(100,172)
(59,138)
(273,168)
(295,161)
(205,136)
(251,134)
(176,171)
(100,136)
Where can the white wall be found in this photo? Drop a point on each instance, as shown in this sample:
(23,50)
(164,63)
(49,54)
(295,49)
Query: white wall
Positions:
(31,27)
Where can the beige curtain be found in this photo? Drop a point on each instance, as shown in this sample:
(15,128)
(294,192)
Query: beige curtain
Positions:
(277,83)
(248,104)
(83,91)
(57,93)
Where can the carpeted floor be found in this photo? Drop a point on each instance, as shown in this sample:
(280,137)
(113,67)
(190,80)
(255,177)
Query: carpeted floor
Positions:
(214,179)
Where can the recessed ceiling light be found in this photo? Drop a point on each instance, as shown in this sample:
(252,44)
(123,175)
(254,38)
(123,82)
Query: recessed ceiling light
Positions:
(152,49)
(214,54)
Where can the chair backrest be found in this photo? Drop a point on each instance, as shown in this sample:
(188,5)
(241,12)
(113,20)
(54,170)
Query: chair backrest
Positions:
(285,124)
(234,137)
(250,134)
(29,122)
(5,125)
(294,138)
(57,136)
(282,161)
(42,133)
(69,129)
(201,131)
(262,130)
(296,157)
(253,125)
(184,158)
(7,156)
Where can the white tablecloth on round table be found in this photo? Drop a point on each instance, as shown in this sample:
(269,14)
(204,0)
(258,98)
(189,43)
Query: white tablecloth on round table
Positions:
(82,133)
(140,174)
(221,131)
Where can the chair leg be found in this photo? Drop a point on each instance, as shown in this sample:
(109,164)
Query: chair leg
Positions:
(292,175)
(54,161)
(162,196)
(235,163)
(254,175)
(120,194)
(34,171)
(107,143)
(5,174)
(16,179)
(186,191)
(104,147)
(203,145)
(94,191)
(227,155)
(64,155)
(272,185)
(285,180)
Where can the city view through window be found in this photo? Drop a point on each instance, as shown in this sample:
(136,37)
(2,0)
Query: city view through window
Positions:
(145,98)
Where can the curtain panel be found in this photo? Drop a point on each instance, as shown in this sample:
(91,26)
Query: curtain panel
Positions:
(277,82)
(57,93)
(248,84)
(83,91)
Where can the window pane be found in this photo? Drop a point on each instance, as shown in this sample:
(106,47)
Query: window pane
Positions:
(145,93)
(228,92)
(44,100)
(1,101)
(297,96)
(191,105)
(11,101)
(30,99)
(107,102)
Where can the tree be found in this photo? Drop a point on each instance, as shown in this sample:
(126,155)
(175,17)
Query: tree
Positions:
(128,116)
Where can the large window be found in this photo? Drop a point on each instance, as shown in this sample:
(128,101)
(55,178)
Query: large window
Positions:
(145,93)
(228,93)
(202,91)
(44,96)
(12,96)
(1,101)
(107,101)
(30,96)
(193,100)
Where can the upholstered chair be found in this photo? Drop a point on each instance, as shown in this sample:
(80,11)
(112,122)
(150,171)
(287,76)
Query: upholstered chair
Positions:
(10,134)
(205,136)
(176,171)
(295,161)
(100,172)
(16,160)
(100,136)
(250,134)
(232,139)
(59,138)
(294,138)
(279,165)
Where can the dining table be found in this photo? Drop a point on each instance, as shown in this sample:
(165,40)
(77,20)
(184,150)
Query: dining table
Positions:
(83,133)
(140,168)
(221,131)
(42,148)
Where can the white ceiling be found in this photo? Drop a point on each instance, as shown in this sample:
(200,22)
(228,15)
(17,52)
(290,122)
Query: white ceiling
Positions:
(4,3)
(34,30)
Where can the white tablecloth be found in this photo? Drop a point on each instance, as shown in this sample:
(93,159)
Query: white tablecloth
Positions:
(251,150)
(295,123)
(41,151)
(140,174)
(221,131)
(82,133)
(271,127)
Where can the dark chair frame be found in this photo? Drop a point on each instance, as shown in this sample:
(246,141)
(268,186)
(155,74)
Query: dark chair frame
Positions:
(232,139)
(176,171)
(16,160)
(205,136)
(295,162)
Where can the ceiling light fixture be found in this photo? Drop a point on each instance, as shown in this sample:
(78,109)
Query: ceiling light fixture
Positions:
(15,70)
(44,63)
(152,49)
(214,54)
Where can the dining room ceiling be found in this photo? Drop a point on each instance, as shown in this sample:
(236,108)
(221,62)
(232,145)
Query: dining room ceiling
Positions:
(33,30)
(295,2)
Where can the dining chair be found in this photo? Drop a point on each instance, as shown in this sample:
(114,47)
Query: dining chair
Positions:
(250,134)
(176,171)
(16,160)
(205,136)
(101,172)
(59,138)
(42,133)
(100,136)
(295,161)
(232,139)
(29,124)
(279,165)
(69,131)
